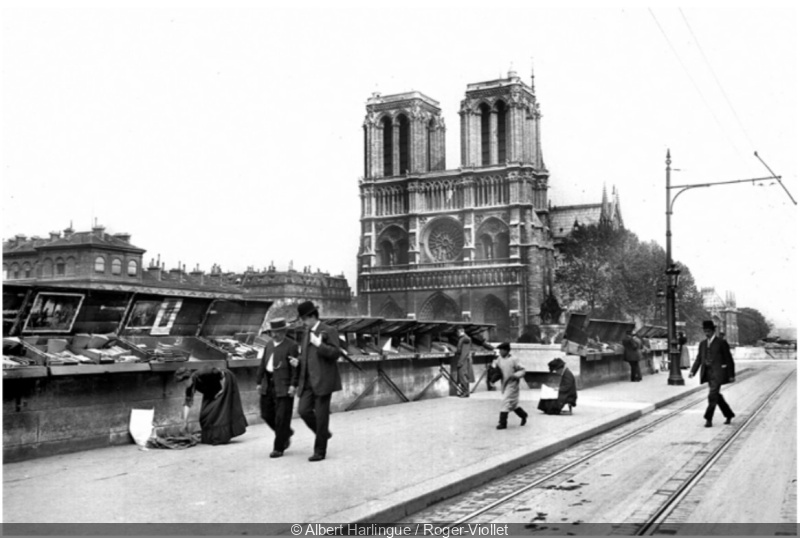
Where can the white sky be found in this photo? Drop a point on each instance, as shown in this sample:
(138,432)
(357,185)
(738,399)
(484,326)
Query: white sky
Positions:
(233,135)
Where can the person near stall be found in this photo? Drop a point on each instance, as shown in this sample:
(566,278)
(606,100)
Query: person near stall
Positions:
(633,354)
(464,373)
(319,376)
(221,414)
(276,381)
(508,369)
(567,389)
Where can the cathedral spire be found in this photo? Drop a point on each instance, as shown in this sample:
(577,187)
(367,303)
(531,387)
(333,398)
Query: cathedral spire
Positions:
(533,88)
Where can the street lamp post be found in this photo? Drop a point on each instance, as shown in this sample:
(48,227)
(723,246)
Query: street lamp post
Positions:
(675,377)
(672,270)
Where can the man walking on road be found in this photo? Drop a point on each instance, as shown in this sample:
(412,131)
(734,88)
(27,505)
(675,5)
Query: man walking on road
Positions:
(276,381)
(319,376)
(715,362)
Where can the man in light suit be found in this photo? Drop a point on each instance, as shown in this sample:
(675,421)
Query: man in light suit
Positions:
(715,362)
(319,376)
(276,380)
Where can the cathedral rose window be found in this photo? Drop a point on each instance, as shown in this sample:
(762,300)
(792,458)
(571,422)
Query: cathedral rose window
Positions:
(445,240)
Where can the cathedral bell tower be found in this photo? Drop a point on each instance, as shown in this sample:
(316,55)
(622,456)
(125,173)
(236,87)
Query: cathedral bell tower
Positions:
(458,245)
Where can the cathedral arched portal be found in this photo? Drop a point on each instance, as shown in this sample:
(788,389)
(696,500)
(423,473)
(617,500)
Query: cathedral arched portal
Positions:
(393,247)
(493,240)
(439,307)
(391,310)
(495,311)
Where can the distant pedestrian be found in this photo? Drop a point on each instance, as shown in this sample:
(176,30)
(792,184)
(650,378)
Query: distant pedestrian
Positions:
(686,360)
(511,372)
(463,363)
(716,366)
(633,354)
(276,381)
(567,389)
(221,414)
(319,376)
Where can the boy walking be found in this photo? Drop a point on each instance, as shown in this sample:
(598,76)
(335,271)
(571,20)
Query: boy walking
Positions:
(510,371)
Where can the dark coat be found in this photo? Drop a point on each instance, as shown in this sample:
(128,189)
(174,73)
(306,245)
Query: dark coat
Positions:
(632,347)
(283,374)
(319,363)
(721,361)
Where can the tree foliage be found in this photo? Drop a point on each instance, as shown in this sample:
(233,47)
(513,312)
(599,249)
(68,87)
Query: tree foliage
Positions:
(613,275)
(752,326)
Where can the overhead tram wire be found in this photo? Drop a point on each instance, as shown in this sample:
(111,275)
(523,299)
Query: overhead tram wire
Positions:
(716,79)
(736,149)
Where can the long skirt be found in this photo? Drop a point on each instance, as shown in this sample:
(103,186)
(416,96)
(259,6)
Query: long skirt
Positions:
(222,418)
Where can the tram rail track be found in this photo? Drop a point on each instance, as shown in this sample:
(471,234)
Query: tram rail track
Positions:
(651,525)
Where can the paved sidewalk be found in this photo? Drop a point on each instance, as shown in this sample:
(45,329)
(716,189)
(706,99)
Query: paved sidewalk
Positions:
(382,464)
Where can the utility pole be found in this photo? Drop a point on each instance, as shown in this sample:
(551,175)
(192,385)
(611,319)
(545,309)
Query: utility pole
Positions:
(672,271)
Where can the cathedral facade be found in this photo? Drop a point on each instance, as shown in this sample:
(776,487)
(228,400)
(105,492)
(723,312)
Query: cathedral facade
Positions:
(472,244)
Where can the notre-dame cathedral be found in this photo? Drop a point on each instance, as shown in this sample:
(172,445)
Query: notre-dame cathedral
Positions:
(472,244)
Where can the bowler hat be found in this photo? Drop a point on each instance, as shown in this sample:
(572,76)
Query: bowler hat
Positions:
(278,324)
(709,325)
(306,309)
(505,345)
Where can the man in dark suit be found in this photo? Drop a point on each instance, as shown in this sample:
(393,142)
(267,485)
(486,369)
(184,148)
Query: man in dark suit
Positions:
(715,362)
(276,381)
(463,363)
(319,376)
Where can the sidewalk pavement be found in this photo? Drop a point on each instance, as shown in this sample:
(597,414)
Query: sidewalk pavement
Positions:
(383,463)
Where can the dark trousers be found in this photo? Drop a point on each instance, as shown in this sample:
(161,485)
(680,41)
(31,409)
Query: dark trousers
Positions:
(636,371)
(715,398)
(315,410)
(277,413)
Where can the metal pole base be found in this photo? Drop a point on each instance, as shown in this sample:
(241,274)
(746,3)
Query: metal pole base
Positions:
(675,380)
(675,377)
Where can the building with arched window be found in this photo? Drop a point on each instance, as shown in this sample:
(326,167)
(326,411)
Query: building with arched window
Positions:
(472,244)
(74,257)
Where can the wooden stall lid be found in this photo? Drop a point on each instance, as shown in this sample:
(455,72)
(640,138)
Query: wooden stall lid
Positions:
(171,366)
(225,318)
(95,369)
(243,363)
(24,372)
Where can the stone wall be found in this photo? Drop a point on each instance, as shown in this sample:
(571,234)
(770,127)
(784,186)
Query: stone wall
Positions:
(58,414)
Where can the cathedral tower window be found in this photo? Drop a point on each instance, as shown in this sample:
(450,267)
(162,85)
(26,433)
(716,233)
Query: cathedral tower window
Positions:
(388,135)
(486,134)
(403,133)
(501,132)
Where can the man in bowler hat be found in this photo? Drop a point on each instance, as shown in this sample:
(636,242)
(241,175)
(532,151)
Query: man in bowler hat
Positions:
(319,376)
(276,382)
(715,362)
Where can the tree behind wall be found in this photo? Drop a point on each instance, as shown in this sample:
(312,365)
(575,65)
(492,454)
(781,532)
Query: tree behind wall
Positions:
(613,275)
(752,326)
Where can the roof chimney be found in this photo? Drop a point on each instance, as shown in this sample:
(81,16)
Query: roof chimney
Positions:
(69,231)
(98,231)
(125,238)
(54,235)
